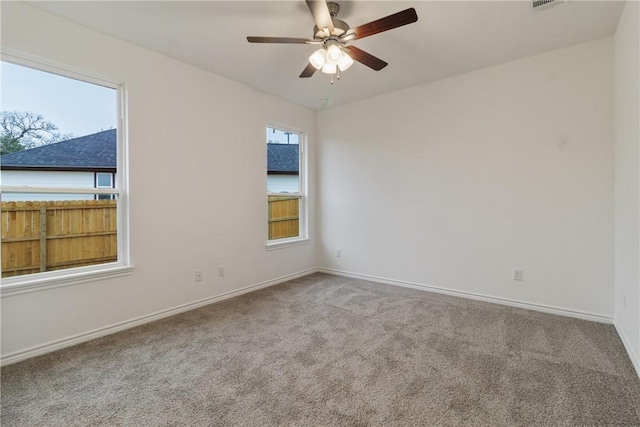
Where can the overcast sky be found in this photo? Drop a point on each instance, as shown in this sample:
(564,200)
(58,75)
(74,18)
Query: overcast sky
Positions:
(74,107)
(278,136)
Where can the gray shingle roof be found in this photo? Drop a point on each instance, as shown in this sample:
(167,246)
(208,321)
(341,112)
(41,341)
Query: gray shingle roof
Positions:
(98,151)
(282,158)
(95,151)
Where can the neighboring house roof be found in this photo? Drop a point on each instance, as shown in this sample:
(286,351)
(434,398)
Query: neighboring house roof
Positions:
(95,152)
(283,159)
(98,151)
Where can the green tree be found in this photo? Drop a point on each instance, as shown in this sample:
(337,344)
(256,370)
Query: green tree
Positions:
(9,145)
(20,130)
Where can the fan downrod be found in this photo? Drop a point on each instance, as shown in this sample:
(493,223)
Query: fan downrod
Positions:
(334,8)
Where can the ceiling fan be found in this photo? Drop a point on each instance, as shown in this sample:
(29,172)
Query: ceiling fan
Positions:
(333,35)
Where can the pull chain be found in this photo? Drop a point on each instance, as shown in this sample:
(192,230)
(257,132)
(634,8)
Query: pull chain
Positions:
(337,76)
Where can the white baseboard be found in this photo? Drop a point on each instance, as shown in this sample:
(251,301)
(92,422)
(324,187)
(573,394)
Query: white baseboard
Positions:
(39,350)
(475,296)
(635,360)
(108,330)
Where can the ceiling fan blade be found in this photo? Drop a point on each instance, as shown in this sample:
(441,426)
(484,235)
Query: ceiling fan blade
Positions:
(321,14)
(366,58)
(293,40)
(308,72)
(390,22)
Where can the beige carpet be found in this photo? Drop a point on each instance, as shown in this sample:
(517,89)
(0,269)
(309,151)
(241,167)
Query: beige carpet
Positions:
(325,350)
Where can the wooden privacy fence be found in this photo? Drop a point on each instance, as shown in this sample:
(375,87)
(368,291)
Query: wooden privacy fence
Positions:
(284,217)
(42,236)
(54,235)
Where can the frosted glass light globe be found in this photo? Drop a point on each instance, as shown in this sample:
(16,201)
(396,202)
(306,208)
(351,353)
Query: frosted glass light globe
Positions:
(345,62)
(333,54)
(329,68)
(318,58)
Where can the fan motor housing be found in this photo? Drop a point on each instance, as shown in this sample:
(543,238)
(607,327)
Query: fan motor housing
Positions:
(339,28)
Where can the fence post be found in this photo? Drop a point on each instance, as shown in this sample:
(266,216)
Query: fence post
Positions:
(43,238)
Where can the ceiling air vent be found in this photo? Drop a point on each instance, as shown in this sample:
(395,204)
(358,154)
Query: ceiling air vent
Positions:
(538,5)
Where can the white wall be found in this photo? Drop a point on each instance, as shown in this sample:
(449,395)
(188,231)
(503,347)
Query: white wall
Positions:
(191,221)
(627,179)
(458,182)
(44,179)
(282,183)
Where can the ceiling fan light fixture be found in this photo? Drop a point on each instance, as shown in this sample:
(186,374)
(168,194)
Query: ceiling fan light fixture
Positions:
(330,59)
(333,34)
(345,61)
(318,58)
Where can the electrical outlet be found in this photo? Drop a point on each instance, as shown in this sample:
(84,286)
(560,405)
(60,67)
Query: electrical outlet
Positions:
(198,275)
(220,270)
(338,253)
(517,275)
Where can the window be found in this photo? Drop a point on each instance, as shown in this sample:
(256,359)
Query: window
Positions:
(105,180)
(63,186)
(285,186)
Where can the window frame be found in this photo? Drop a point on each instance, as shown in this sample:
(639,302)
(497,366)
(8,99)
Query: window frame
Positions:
(77,275)
(303,233)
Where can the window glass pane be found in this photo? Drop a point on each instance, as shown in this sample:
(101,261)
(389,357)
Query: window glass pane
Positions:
(283,161)
(103,180)
(41,108)
(40,234)
(284,217)
(55,132)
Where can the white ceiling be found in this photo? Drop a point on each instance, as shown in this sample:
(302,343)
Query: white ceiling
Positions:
(450,38)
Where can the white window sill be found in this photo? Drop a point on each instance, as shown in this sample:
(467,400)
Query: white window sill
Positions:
(286,243)
(40,282)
